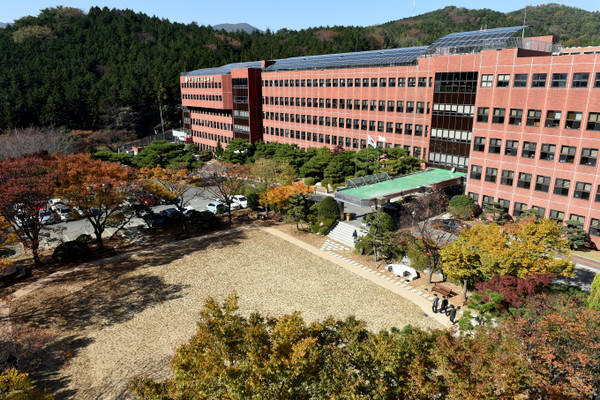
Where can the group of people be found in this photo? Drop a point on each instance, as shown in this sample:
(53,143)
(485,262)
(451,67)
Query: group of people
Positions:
(444,307)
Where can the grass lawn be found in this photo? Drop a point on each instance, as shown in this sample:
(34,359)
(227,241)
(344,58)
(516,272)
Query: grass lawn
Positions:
(116,321)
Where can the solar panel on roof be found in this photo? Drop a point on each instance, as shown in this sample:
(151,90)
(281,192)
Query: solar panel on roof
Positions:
(476,38)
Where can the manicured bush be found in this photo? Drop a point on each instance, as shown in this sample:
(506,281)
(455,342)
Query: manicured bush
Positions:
(328,208)
(71,251)
(309,181)
(253,201)
(326,182)
(205,220)
(327,225)
(84,237)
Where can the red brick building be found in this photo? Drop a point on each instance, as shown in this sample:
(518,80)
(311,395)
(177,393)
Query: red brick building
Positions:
(520,115)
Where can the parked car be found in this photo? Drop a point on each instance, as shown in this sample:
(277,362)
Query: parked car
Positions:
(171,214)
(148,199)
(46,217)
(187,213)
(154,220)
(64,213)
(215,207)
(241,200)
(233,206)
(54,203)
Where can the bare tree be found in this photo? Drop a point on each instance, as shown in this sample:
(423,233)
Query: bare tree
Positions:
(31,140)
(111,139)
(223,181)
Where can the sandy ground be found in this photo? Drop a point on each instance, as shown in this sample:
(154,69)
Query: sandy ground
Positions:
(121,320)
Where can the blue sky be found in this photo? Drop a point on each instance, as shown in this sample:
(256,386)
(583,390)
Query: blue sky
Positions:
(275,14)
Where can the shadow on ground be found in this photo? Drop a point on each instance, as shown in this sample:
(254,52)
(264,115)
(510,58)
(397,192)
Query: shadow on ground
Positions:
(582,279)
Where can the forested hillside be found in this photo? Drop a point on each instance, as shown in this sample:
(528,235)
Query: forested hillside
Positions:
(112,68)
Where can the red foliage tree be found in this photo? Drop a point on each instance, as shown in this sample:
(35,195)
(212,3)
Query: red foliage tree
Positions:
(514,290)
(27,183)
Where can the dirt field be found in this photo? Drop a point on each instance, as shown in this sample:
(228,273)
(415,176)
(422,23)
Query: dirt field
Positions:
(118,321)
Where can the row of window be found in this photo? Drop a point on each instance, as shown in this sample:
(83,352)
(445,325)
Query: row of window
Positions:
(211,136)
(350,82)
(205,97)
(567,155)
(558,80)
(572,120)
(211,124)
(354,143)
(348,123)
(520,208)
(562,187)
(350,104)
(201,85)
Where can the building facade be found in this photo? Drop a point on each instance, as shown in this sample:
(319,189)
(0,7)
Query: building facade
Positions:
(520,115)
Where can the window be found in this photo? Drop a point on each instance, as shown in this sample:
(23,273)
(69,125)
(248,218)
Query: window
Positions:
(321,84)
(507,177)
(328,82)
(365,82)
(486,200)
(557,215)
(420,107)
(516,116)
(398,128)
(542,183)
(392,82)
(589,157)
(594,227)
(483,114)
(559,80)
(534,117)
(400,106)
(365,105)
(373,105)
(380,126)
(408,129)
(499,114)
(495,145)
(476,172)
(412,82)
(389,127)
(381,105)
(401,82)
(582,191)
(357,82)
(327,103)
(373,82)
(512,148)
(529,149)
(567,154)
(410,106)
(518,209)
(418,130)
(573,120)
(524,180)
(342,84)
(390,105)
(520,80)
(372,125)
(423,82)
(598,194)
(580,79)
(561,187)
(487,81)
(553,119)
(474,196)
(538,80)
(350,83)
(593,122)
(503,80)
(335,84)
(479,143)
(547,152)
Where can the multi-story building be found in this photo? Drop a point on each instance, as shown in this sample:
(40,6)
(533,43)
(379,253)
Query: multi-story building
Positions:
(520,115)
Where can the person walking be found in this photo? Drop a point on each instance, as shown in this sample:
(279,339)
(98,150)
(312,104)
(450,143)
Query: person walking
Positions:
(355,236)
(449,309)
(436,301)
(453,314)
(444,305)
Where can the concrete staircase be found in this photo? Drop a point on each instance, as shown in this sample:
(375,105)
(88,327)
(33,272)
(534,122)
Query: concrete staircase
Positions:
(343,231)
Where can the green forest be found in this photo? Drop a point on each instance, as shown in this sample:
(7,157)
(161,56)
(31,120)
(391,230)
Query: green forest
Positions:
(114,69)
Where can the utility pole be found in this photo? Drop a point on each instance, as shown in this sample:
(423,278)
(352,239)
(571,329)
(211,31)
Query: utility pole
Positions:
(162,124)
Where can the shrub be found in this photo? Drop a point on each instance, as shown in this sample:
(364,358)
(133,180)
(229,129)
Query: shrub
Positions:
(253,201)
(84,237)
(205,220)
(326,182)
(462,207)
(512,289)
(71,251)
(593,300)
(328,208)
(363,247)
(309,181)
(327,225)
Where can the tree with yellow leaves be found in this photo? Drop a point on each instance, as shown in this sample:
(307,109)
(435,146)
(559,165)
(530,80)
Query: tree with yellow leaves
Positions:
(278,197)
(519,248)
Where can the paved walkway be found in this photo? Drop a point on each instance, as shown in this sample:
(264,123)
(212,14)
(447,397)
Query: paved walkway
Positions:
(395,285)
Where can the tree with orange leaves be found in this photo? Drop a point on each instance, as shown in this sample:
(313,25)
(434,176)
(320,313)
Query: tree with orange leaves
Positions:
(27,182)
(99,189)
(6,239)
(278,197)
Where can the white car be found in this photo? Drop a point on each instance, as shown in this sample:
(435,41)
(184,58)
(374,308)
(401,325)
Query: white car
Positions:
(241,200)
(64,213)
(215,207)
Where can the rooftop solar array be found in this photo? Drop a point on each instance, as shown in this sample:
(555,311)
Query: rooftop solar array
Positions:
(480,38)
(388,57)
